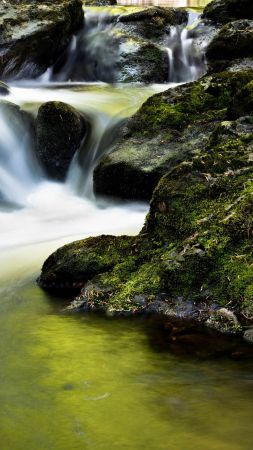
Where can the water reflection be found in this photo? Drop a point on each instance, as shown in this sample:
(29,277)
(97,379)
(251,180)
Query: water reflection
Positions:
(175,3)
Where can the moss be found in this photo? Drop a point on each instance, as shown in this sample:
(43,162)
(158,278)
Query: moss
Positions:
(199,102)
(197,240)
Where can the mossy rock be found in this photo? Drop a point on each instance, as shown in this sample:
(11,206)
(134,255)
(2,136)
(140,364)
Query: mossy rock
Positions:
(234,40)
(73,265)
(60,130)
(32,38)
(223,11)
(169,128)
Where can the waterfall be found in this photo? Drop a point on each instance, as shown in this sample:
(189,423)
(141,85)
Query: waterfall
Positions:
(91,55)
(19,171)
(186,61)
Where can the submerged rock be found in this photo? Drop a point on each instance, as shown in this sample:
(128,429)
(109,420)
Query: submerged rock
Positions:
(33,34)
(60,130)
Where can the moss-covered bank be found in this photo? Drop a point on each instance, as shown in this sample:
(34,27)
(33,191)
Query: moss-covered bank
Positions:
(193,258)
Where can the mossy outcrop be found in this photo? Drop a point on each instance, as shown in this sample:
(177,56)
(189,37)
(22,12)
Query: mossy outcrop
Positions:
(178,124)
(189,150)
(60,130)
(34,34)
(195,249)
(234,41)
(223,11)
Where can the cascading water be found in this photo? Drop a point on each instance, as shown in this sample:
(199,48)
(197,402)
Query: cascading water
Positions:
(91,55)
(186,60)
(19,170)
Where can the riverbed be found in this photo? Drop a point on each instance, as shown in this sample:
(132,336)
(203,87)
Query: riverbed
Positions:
(71,381)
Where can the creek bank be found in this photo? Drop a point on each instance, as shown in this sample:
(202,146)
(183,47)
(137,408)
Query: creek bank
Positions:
(193,260)
(34,34)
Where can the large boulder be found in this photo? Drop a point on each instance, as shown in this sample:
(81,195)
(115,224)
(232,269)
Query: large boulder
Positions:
(234,41)
(170,127)
(33,34)
(223,11)
(60,130)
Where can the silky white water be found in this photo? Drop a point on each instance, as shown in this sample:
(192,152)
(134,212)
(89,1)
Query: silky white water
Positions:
(45,210)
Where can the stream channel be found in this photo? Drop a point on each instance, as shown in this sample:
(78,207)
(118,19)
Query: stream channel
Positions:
(74,381)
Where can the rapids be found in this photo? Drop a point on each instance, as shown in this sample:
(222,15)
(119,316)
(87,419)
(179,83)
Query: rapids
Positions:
(74,382)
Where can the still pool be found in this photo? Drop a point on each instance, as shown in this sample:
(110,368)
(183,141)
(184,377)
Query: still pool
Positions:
(76,382)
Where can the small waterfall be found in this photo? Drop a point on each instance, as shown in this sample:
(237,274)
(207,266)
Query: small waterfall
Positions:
(91,55)
(19,172)
(80,175)
(186,60)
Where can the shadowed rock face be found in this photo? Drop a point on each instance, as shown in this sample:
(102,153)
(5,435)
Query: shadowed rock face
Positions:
(33,34)
(60,130)
(223,11)
(234,41)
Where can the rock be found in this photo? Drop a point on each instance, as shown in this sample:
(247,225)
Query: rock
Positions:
(234,40)
(152,23)
(60,130)
(4,88)
(33,37)
(224,321)
(141,58)
(242,103)
(224,11)
(140,61)
(143,154)
(113,54)
(70,267)
(248,335)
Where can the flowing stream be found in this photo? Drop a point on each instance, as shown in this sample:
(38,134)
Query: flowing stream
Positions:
(75,382)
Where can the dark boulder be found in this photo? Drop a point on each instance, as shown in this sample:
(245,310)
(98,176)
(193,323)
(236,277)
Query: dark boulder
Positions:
(60,130)
(234,40)
(223,11)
